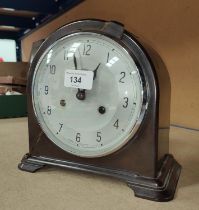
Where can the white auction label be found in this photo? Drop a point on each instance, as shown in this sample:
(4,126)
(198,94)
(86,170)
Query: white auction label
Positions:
(78,79)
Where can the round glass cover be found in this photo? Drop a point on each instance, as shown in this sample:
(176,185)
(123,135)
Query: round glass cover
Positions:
(87,94)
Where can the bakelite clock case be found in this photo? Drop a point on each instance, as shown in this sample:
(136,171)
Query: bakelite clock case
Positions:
(143,163)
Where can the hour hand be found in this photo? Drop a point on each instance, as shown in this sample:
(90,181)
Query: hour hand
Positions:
(95,71)
(81,93)
(75,61)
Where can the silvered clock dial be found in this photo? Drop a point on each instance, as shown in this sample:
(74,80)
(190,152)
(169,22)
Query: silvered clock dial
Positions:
(110,111)
(99,102)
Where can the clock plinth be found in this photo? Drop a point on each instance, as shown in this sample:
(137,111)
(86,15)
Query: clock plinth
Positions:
(161,188)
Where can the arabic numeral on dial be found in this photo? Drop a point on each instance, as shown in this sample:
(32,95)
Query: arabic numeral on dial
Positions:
(52,69)
(61,125)
(126,102)
(46,90)
(87,49)
(116,124)
(99,137)
(123,74)
(49,110)
(78,137)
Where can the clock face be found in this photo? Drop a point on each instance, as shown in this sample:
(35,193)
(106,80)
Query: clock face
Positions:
(87,94)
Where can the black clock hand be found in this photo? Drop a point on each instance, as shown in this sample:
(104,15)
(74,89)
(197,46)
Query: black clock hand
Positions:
(81,95)
(75,61)
(95,71)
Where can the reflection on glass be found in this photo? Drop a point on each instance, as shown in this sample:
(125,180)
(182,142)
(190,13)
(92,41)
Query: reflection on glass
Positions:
(49,56)
(133,72)
(73,49)
(112,61)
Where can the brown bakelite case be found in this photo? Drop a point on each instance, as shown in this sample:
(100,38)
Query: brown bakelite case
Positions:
(143,163)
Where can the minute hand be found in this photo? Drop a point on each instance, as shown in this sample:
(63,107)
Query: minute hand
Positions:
(81,95)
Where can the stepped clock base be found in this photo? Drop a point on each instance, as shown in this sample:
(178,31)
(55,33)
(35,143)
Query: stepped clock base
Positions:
(162,188)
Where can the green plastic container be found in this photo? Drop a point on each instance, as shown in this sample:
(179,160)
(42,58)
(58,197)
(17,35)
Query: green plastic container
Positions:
(13,106)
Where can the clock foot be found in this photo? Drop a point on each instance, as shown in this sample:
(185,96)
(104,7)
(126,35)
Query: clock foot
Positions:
(161,188)
(28,166)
